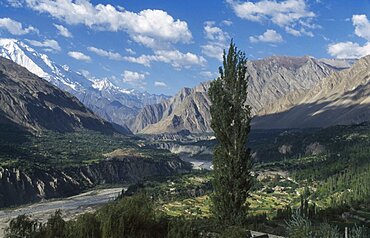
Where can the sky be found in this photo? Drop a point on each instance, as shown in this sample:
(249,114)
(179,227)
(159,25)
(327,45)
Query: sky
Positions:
(160,46)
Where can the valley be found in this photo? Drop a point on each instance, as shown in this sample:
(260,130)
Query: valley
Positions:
(66,139)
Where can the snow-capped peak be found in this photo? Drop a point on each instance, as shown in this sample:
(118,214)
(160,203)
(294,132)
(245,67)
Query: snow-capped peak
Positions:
(85,87)
(19,53)
(41,65)
(104,84)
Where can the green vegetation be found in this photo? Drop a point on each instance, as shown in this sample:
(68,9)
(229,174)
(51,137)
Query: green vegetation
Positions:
(231,124)
(328,188)
(60,150)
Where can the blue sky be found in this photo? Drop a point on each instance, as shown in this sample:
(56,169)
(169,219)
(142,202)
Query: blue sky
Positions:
(163,45)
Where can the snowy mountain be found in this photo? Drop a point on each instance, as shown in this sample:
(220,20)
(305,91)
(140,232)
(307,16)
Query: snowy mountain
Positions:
(115,104)
(34,105)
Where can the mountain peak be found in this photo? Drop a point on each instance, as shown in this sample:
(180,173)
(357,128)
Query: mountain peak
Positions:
(113,103)
(103,84)
(270,79)
(34,105)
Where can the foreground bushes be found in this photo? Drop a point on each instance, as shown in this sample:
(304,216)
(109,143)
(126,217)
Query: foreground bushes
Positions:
(136,217)
(300,226)
(129,217)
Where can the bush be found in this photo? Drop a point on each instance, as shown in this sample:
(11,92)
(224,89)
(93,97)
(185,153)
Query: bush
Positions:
(131,217)
(327,231)
(55,226)
(299,227)
(22,226)
(182,229)
(86,226)
(359,232)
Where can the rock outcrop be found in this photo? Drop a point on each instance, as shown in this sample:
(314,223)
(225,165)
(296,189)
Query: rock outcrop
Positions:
(19,186)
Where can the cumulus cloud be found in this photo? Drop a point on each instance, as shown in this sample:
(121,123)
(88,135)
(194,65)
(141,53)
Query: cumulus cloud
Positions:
(15,27)
(270,36)
(292,15)
(173,57)
(79,56)
(63,31)
(160,84)
(214,50)
(145,60)
(362,26)
(351,49)
(48,45)
(152,28)
(108,54)
(214,33)
(348,50)
(217,41)
(134,78)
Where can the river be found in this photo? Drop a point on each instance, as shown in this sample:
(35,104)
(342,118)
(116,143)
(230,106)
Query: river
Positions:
(70,207)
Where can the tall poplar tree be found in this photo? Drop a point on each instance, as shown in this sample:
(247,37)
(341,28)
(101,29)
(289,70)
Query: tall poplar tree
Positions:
(231,124)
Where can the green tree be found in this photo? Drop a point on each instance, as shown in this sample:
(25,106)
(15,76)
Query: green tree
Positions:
(85,226)
(22,226)
(231,124)
(55,226)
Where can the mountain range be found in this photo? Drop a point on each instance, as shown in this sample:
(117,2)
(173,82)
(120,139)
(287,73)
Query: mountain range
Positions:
(284,92)
(271,80)
(112,103)
(29,103)
(342,98)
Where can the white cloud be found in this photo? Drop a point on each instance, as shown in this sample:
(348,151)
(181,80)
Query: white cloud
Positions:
(14,3)
(145,60)
(15,27)
(49,45)
(292,15)
(214,50)
(208,74)
(227,22)
(292,31)
(178,59)
(134,78)
(63,31)
(79,56)
(351,49)
(173,57)
(270,36)
(109,54)
(362,26)
(160,84)
(131,76)
(217,41)
(348,50)
(152,28)
(214,33)
(130,51)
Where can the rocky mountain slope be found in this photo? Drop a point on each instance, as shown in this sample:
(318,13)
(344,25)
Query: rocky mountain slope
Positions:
(271,79)
(112,103)
(19,186)
(32,104)
(339,99)
(187,110)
